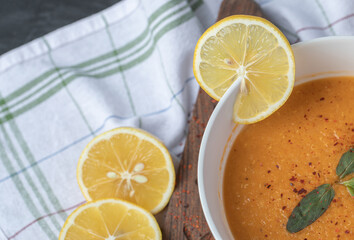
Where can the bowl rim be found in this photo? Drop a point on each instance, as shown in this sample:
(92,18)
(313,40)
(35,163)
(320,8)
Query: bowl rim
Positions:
(205,138)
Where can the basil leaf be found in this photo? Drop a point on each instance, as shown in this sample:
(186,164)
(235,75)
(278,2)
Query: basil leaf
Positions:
(311,207)
(346,164)
(350,186)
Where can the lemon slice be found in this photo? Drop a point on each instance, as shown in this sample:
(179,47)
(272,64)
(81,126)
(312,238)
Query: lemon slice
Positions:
(252,51)
(129,164)
(110,219)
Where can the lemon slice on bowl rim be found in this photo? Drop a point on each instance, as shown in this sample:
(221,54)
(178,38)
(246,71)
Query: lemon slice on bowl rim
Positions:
(129,164)
(110,219)
(252,51)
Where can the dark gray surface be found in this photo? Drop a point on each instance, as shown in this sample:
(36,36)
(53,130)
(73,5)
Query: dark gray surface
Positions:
(24,20)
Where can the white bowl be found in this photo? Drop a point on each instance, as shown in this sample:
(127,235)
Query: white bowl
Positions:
(323,57)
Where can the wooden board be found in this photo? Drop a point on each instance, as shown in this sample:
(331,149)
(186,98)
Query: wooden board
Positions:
(185,218)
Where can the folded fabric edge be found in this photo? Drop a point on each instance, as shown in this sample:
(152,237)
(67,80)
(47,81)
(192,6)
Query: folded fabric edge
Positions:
(64,35)
(2,235)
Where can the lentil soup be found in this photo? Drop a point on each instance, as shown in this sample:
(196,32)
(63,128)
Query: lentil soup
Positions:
(273,164)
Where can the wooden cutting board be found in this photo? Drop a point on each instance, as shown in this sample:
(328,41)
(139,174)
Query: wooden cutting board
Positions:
(185,218)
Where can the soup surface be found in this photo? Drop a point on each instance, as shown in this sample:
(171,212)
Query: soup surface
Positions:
(274,163)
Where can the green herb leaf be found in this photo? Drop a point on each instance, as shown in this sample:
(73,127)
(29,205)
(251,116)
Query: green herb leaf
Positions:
(310,208)
(350,186)
(346,164)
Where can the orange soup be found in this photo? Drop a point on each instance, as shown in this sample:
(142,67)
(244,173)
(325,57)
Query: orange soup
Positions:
(273,164)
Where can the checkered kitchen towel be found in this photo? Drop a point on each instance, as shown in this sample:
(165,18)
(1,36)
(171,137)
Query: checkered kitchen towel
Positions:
(129,65)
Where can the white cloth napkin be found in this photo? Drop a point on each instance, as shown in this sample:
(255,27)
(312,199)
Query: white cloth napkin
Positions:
(302,20)
(129,65)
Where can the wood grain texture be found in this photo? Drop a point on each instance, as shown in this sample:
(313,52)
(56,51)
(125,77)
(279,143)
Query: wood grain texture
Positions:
(185,218)
(233,7)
